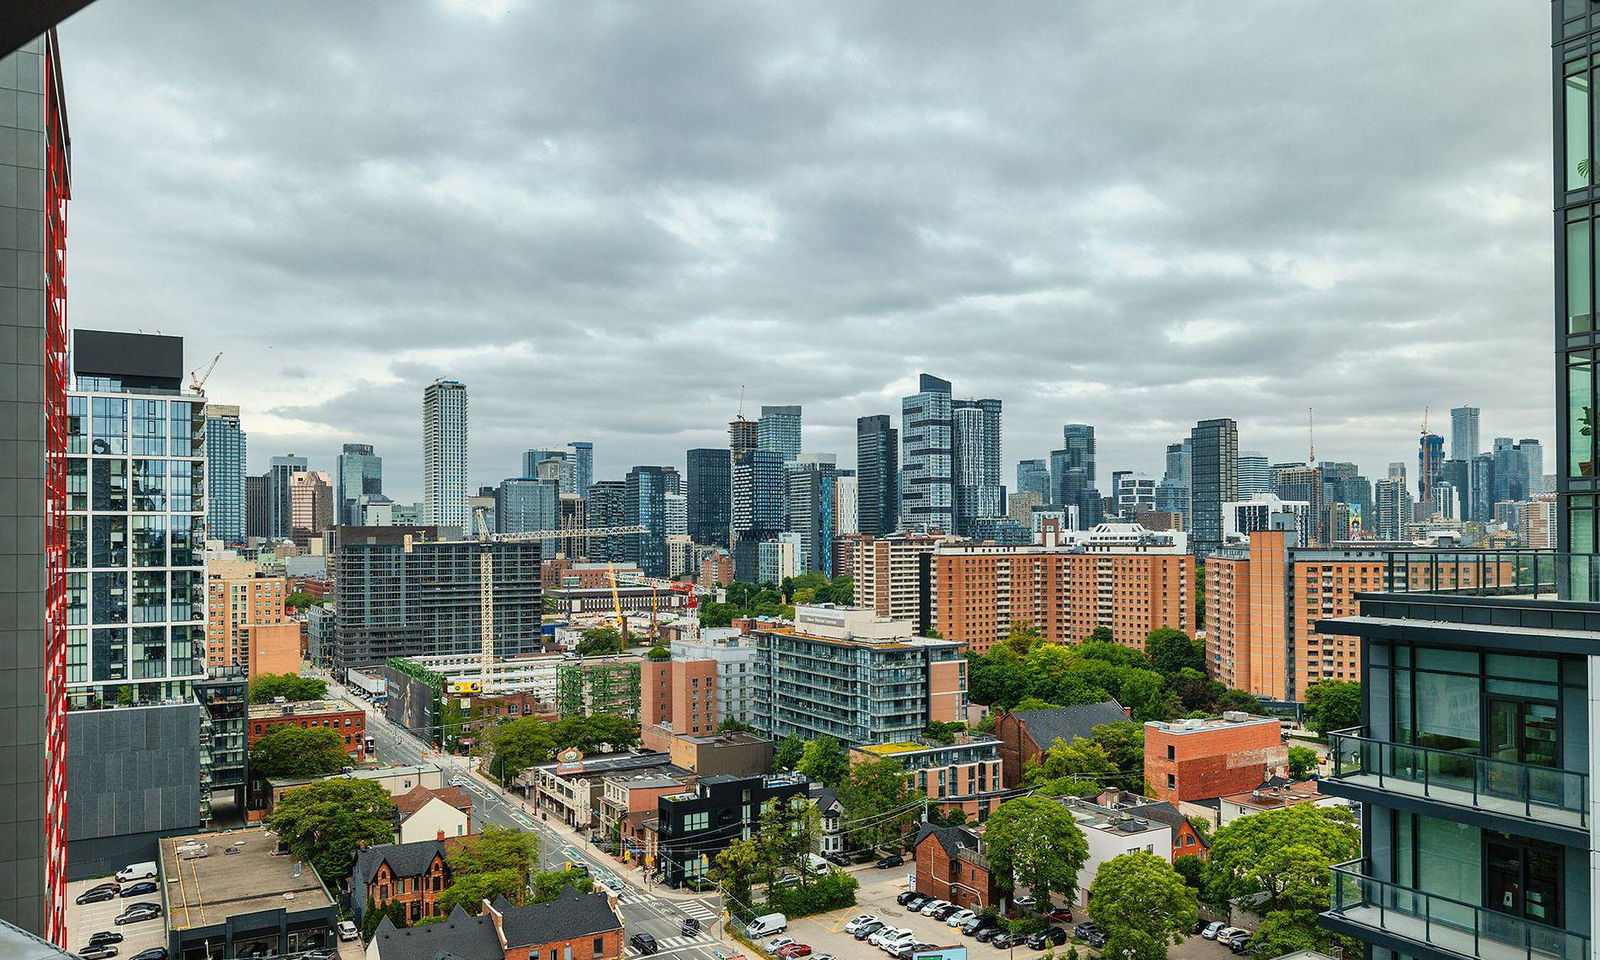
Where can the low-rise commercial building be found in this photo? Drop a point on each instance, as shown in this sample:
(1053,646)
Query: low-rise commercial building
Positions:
(340,716)
(1274,793)
(230,895)
(727,754)
(1188,760)
(571,788)
(692,827)
(965,775)
(628,802)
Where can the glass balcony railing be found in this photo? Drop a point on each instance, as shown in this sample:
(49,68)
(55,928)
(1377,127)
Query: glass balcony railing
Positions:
(1529,574)
(1523,790)
(1446,924)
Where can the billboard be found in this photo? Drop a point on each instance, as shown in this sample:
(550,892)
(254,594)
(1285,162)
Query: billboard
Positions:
(957,952)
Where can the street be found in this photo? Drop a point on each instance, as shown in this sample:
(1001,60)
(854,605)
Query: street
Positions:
(643,911)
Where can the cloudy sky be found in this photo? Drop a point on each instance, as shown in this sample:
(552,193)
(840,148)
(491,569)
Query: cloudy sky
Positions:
(607,217)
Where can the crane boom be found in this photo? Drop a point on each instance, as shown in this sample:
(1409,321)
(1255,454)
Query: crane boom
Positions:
(199,376)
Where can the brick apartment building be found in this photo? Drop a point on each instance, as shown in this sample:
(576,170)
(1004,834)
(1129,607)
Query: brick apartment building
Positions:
(1118,576)
(950,866)
(1263,601)
(677,696)
(341,716)
(888,573)
(716,567)
(1026,734)
(964,775)
(243,612)
(1187,760)
(562,572)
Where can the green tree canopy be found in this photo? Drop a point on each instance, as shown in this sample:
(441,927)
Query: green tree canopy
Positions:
(877,801)
(943,731)
(1034,843)
(518,744)
(548,885)
(269,686)
(788,752)
(734,725)
(825,761)
(1333,705)
(1286,854)
(1290,931)
(1302,762)
(599,642)
(1078,768)
(1141,893)
(1172,650)
(495,849)
(300,600)
(324,823)
(471,890)
(287,751)
(1237,700)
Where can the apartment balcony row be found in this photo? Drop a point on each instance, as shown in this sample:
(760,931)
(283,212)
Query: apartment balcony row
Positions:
(1401,918)
(1466,781)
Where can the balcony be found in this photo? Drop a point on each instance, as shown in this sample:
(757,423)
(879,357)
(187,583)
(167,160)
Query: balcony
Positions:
(1370,905)
(1527,574)
(1521,790)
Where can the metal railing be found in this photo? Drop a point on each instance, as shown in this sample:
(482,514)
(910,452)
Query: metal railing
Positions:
(1464,779)
(1446,923)
(1536,574)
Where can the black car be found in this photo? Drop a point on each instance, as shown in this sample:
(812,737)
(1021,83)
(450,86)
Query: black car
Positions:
(837,859)
(945,911)
(1083,929)
(1052,937)
(977,923)
(139,889)
(644,943)
(138,912)
(105,936)
(868,929)
(906,897)
(160,953)
(987,934)
(97,895)
(102,952)
(891,861)
(689,927)
(1006,941)
(1240,944)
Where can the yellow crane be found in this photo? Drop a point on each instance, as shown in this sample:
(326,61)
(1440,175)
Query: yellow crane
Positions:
(486,539)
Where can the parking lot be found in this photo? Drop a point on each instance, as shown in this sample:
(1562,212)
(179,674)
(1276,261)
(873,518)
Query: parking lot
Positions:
(91,918)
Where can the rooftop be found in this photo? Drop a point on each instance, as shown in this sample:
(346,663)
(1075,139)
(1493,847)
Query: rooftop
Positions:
(722,739)
(301,708)
(904,747)
(360,773)
(1090,816)
(1232,718)
(219,875)
(1276,794)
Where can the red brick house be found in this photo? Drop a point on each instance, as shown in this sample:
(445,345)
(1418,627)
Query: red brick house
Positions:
(950,865)
(574,926)
(1026,734)
(412,873)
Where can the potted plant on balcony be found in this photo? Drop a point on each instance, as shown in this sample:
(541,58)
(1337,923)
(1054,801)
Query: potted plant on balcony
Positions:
(1586,429)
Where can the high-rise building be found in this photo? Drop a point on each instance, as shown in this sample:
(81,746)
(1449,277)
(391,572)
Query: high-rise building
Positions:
(257,513)
(225,464)
(605,507)
(1480,500)
(645,505)
(1302,483)
(1511,469)
(549,464)
(1172,493)
(889,574)
(1034,475)
(136,524)
(1430,465)
(1391,509)
(1533,463)
(526,505)
(927,480)
(1136,494)
(846,501)
(1072,468)
(878,475)
(360,474)
(812,491)
(1255,475)
(444,454)
(757,513)
(709,477)
(278,504)
(1214,480)
(975,462)
(777,560)
(33,490)
(310,505)
(405,593)
(1463,433)
(581,452)
(242,610)
(778,430)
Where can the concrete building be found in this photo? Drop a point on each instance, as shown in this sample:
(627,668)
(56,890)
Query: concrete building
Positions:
(628,801)
(846,503)
(1188,760)
(245,903)
(855,676)
(645,505)
(1112,833)
(975,462)
(888,574)
(1240,518)
(444,455)
(1067,592)
(526,505)
(722,754)
(812,482)
(226,448)
(716,569)
(927,479)
(778,559)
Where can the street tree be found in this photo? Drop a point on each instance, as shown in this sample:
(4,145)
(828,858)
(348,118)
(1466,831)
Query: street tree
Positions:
(494,850)
(1302,762)
(1141,893)
(298,752)
(325,823)
(788,753)
(825,761)
(290,686)
(1333,705)
(1285,854)
(877,801)
(471,890)
(1034,843)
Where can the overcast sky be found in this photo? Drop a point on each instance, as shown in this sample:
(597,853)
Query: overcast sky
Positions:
(604,218)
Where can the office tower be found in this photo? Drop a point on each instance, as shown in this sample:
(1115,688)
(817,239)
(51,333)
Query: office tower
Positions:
(581,453)
(1214,481)
(278,506)
(677,514)
(444,454)
(709,477)
(1397,469)
(1455,477)
(360,474)
(1533,462)
(136,523)
(975,461)
(779,430)
(1510,471)
(1034,475)
(310,505)
(1136,494)
(644,504)
(1430,462)
(1463,433)
(927,481)
(225,460)
(757,511)
(527,505)
(1254,474)
(549,464)
(405,593)
(1302,483)
(877,475)
(1342,483)
(572,512)
(256,511)
(33,489)
(604,508)
(1391,508)
(811,482)
(1072,468)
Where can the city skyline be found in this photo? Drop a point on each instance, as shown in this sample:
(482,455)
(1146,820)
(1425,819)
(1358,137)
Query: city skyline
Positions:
(1222,311)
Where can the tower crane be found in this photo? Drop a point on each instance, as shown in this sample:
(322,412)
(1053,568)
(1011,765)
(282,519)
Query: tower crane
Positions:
(487,539)
(199,376)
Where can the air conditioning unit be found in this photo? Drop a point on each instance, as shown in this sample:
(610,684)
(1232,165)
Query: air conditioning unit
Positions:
(1236,716)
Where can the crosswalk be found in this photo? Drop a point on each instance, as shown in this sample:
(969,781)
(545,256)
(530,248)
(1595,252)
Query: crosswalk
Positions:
(700,912)
(665,944)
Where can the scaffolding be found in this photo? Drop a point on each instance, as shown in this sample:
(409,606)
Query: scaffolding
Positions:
(585,689)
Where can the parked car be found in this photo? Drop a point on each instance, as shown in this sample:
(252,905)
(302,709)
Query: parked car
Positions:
(900,939)
(140,889)
(887,934)
(767,924)
(1049,937)
(1027,901)
(977,924)
(347,931)
(1006,941)
(857,922)
(906,896)
(794,951)
(906,949)
(959,918)
(97,895)
(944,912)
(787,880)
(101,952)
(137,871)
(105,936)
(917,902)
(1212,929)
(1241,944)
(1200,925)
(1228,933)
(868,929)
(644,943)
(1063,915)
(891,861)
(458,781)
(320,953)
(778,943)
(160,953)
(138,912)
(986,934)
(838,860)
(932,905)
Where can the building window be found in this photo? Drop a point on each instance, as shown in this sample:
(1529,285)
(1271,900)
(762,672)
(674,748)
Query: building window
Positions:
(1172,752)
(1579,167)
(1172,781)
(599,946)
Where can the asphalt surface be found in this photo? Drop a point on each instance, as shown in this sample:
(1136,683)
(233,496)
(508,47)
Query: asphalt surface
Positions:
(642,911)
(84,920)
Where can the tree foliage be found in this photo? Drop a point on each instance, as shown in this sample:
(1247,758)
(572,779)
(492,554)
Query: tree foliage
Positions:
(287,751)
(825,761)
(943,731)
(548,885)
(600,642)
(300,600)
(1302,762)
(471,890)
(1141,893)
(494,850)
(786,756)
(1172,650)
(269,686)
(780,842)
(1333,705)
(876,796)
(394,910)
(324,823)
(1034,843)
(1285,854)
(519,744)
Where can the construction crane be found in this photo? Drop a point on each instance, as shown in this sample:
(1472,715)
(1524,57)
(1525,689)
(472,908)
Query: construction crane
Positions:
(199,376)
(486,539)
(616,604)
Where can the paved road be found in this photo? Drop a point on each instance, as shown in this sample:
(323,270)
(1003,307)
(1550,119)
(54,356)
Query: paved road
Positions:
(642,911)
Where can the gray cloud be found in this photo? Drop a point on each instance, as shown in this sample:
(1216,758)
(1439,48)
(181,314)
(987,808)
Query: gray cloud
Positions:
(606,217)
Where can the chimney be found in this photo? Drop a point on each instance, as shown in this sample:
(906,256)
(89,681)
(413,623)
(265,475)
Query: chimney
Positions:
(441,836)
(499,922)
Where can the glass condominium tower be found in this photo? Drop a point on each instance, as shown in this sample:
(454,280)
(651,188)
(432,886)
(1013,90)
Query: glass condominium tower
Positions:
(225,462)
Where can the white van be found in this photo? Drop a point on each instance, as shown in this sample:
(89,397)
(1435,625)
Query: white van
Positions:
(137,871)
(766,926)
(816,864)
